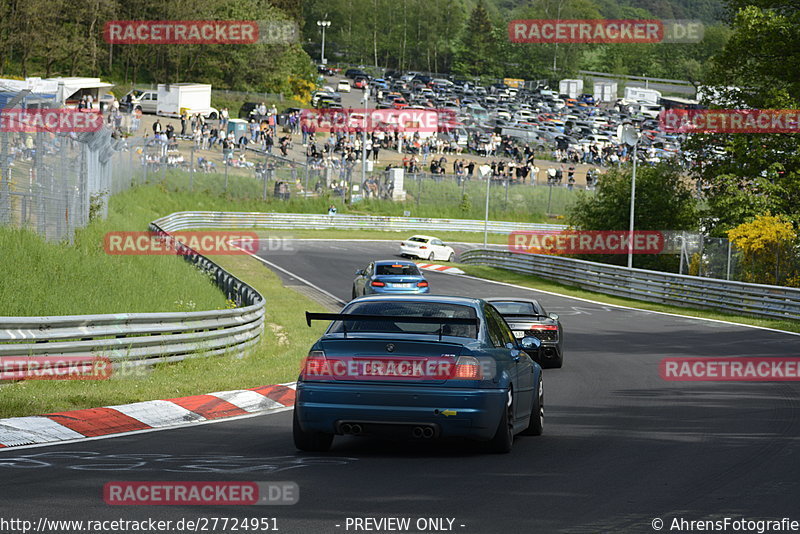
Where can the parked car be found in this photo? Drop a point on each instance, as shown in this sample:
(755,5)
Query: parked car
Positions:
(343,86)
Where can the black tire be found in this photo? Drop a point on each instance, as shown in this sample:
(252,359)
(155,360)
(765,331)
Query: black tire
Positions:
(213,116)
(310,441)
(504,436)
(451,258)
(430,256)
(536,425)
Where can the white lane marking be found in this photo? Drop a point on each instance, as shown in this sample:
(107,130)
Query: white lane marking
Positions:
(301,279)
(158,413)
(35,429)
(247,400)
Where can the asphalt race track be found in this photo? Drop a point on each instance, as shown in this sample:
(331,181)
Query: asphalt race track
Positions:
(621,446)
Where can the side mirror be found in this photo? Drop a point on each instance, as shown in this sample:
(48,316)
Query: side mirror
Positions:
(553,316)
(530,343)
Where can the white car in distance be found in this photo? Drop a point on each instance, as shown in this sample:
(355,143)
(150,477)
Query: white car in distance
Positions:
(426,247)
(343,86)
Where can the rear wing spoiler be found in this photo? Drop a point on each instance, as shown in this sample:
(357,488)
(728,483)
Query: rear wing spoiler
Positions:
(441,321)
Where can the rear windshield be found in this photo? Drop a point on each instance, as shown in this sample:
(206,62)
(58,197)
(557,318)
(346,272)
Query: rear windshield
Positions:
(515,308)
(418,239)
(404,269)
(410,309)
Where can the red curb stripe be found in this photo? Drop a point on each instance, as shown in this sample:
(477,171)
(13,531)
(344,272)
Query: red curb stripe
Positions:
(208,406)
(281,394)
(97,421)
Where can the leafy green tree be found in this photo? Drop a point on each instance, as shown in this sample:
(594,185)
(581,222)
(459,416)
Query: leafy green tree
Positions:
(664,201)
(744,175)
(479,51)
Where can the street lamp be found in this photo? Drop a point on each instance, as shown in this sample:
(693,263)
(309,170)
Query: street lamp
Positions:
(628,134)
(364,138)
(323,24)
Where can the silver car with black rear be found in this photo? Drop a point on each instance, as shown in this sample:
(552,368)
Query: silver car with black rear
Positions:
(528,318)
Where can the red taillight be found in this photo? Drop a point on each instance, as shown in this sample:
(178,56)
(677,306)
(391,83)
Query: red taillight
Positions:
(544,327)
(316,365)
(377,283)
(467,368)
(422,284)
(423,246)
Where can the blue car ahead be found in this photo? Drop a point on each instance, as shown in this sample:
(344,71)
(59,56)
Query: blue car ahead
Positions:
(389,277)
(418,367)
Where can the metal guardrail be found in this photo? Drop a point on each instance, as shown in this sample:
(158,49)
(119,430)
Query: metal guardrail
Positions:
(144,338)
(184,220)
(653,286)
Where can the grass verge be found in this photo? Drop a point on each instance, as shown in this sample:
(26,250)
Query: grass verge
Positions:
(276,359)
(534,282)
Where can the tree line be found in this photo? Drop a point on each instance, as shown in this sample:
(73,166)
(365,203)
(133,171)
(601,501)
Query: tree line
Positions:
(470,38)
(65,38)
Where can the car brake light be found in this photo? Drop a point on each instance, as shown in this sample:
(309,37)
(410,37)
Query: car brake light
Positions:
(316,365)
(467,368)
(422,284)
(377,283)
(423,246)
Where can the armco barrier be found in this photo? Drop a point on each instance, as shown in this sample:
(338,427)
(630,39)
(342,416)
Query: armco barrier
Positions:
(144,338)
(679,290)
(184,220)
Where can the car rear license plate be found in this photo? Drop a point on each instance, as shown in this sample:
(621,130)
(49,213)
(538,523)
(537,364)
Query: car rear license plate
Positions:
(401,285)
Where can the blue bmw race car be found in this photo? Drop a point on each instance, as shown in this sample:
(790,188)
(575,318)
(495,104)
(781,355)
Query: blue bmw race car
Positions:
(418,367)
(389,277)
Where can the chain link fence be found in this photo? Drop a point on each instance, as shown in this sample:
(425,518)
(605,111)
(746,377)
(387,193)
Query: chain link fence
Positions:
(54,182)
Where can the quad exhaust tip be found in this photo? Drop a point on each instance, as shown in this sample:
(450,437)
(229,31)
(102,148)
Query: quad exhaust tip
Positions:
(422,432)
(347,428)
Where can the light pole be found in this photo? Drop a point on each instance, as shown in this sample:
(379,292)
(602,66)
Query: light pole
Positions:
(364,138)
(628,134)
(323,24)
(633,202)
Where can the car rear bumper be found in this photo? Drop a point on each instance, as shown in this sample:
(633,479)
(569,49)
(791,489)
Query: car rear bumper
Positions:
(384,409)
(414,251)
(398,290)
